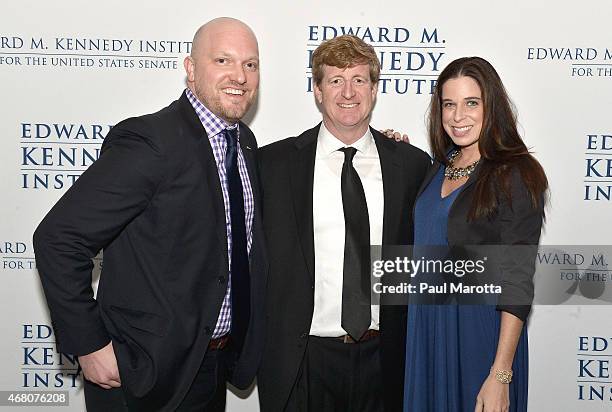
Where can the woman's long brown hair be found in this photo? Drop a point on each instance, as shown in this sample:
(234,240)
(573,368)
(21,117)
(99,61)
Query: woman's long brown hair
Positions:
(501,147)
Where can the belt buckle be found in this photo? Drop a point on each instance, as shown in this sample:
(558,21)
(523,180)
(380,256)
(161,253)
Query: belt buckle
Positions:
(347,339)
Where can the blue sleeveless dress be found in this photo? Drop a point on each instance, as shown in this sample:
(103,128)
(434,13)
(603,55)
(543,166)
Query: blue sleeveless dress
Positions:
(450,348)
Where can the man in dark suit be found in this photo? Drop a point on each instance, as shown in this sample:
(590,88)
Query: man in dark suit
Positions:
(173,202)
(328,194)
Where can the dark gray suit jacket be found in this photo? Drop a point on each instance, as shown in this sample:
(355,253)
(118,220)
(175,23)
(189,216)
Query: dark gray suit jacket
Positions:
(287,171)
(153,202)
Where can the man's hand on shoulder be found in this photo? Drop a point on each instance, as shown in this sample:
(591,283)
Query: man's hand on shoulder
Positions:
(100,367)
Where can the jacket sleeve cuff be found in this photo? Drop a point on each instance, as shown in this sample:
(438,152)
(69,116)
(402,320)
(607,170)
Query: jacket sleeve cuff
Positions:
(80,339)
(520,311)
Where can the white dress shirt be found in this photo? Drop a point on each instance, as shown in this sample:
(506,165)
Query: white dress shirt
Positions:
(328,223)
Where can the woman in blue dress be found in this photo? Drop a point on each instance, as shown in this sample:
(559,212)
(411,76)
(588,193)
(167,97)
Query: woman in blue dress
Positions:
(485,189)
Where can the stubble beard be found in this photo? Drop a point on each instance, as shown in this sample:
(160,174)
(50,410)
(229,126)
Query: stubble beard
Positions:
(230,113)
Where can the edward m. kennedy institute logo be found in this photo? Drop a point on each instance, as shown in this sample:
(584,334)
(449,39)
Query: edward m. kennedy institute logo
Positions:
(411,58)
(53,155)
(84,52)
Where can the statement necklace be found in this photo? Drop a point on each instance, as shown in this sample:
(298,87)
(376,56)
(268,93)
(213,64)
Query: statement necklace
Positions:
(456,173)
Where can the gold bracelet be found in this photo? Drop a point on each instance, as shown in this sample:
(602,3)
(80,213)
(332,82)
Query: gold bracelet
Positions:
(503,376)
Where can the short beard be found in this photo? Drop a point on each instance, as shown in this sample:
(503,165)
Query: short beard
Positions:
(230,115)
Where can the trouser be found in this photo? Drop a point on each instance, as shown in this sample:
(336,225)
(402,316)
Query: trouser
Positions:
(338,377)
(206,394)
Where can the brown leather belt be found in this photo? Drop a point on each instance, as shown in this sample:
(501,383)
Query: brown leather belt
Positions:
(219,343)
(369,334)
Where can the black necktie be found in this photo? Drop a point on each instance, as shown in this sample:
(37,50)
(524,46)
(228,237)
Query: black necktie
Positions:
(356,315)
(240,288)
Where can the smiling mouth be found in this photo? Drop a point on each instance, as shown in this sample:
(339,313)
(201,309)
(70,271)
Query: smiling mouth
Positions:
(461,129)
(347,105)
(233,92)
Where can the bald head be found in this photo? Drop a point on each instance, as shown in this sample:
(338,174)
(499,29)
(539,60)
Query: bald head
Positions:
(216,26)
(223,68)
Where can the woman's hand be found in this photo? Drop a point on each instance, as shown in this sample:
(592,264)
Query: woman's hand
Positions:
(392,134)
(494,396)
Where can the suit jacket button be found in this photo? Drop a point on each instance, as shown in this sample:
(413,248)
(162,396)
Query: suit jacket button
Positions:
(207,330)
(221,279)
(304,335)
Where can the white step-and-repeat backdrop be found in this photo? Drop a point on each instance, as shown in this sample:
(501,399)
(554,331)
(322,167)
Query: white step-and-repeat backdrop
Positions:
(69,70)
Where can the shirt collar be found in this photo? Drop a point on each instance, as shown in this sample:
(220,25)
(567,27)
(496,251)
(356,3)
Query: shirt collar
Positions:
(212,123)
(328,143)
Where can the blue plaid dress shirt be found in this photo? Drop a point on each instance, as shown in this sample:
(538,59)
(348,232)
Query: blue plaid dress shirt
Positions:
(214,127)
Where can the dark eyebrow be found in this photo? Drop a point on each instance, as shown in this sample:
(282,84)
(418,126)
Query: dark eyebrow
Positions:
(467,98)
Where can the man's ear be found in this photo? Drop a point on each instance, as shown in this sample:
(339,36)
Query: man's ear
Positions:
(318,94)
(189,68)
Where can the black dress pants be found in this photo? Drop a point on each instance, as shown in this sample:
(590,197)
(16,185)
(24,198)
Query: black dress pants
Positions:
(338,377)
(206,394)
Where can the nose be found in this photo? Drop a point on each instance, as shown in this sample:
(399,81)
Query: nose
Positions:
(459,113)
(238,74)
(347,90)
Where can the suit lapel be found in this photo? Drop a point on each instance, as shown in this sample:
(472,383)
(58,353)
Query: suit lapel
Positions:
(206,159)
(390,168)
(248,151)
(302,176)
(428,176)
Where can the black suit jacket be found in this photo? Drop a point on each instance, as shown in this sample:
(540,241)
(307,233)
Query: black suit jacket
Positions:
(287,170)
(153,202)
(515,228)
